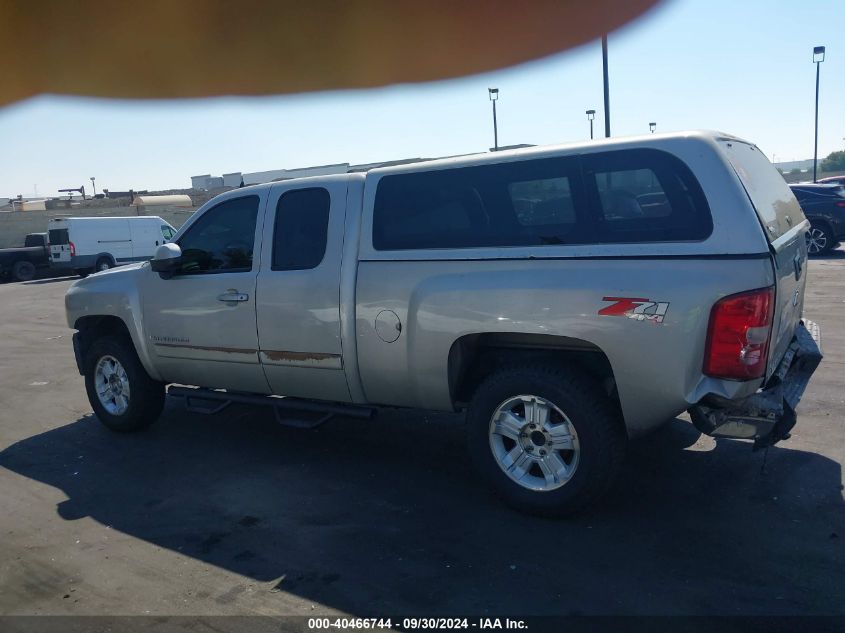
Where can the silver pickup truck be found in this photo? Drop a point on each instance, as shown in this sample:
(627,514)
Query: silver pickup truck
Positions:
(568,298)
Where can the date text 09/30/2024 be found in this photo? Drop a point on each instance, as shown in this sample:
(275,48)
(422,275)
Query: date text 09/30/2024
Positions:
(410,624)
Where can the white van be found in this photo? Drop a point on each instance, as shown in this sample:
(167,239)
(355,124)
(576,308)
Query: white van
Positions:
(88,245)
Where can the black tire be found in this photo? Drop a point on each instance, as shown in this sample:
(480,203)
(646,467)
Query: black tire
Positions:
(820,239)
(146,396)
(82,272)
(104,263)
(596,420)
(23,271)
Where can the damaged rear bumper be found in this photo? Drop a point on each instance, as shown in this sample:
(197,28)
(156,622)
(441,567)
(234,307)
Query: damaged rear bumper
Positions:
(768,415)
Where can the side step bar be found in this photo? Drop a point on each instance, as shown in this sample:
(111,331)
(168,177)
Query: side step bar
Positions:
(320,412)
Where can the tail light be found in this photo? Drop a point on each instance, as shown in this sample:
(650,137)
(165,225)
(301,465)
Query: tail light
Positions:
(738,335)
(840,204)
(72,249)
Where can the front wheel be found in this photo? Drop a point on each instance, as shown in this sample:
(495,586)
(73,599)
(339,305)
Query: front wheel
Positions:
(120,391)
(104,263)
(547,439)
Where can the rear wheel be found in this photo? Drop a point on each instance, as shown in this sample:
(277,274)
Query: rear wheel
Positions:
(104,263)
(820,240)
(23,271)
(82,272)
(547,439)
(120,391)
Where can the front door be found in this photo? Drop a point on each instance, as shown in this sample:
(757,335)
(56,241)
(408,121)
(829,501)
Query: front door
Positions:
(200,323)
(299,291)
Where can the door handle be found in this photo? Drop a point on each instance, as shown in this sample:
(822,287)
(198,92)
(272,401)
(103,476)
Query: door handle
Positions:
(233,296)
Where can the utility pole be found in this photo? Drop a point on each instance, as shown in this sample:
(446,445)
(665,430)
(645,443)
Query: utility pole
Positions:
(606,87)
(494,96)
(818,58)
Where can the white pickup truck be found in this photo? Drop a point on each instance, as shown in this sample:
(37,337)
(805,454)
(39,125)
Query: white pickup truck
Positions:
(568,298)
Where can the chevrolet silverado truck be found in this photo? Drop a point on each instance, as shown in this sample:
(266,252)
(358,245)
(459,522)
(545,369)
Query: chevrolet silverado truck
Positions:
(567,298)
(22,262)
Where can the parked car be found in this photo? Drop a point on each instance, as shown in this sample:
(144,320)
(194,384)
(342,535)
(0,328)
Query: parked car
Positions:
(832,180)
(824,207)
(21,263)
(567,298)
(85,245)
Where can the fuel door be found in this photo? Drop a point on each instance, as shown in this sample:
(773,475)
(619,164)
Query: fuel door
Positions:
(388,326)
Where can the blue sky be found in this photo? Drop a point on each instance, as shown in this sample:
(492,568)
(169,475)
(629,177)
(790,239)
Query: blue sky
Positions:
(740,67)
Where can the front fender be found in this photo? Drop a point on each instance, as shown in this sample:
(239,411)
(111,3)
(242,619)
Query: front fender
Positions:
(113,293)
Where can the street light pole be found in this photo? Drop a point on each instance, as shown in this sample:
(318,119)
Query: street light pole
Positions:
(652,126)
(606,86)
(494,96)
(818,58)
(93,186)
(591,114)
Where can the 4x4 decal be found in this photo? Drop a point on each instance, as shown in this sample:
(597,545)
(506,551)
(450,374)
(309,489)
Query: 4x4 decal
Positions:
(635,308)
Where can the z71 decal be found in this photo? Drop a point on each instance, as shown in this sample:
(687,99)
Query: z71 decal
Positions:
(634,308)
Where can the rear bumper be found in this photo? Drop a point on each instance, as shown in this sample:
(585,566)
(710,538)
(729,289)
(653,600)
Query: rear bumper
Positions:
(74,263)
(768,415)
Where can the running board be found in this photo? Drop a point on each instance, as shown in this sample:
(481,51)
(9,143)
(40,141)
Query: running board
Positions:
(317,413)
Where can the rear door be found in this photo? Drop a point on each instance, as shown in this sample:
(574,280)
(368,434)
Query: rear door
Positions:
(298,294)
(784,224)
(59,240)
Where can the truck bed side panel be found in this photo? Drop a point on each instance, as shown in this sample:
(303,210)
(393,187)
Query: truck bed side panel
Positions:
(657,366)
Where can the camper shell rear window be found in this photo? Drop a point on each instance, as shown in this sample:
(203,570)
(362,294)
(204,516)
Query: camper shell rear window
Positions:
(773,200)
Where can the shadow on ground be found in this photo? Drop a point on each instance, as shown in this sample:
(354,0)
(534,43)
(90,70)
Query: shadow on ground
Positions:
(42,276)
(387,516)
(837,253)
(55,278)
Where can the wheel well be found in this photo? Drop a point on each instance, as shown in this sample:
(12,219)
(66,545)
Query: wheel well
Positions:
(474,357)
(93,327)
(822,223)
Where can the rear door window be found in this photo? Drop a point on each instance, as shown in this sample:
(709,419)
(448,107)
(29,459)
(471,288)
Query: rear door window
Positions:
(301,229)
(58,236)
(645,196)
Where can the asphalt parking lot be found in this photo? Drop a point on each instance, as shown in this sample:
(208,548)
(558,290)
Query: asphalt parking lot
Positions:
(234,514)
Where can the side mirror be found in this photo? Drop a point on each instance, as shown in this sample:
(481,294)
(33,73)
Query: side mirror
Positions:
(167,260)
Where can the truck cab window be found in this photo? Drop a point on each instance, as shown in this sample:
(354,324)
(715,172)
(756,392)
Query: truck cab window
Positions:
(222,240)
(299,234)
